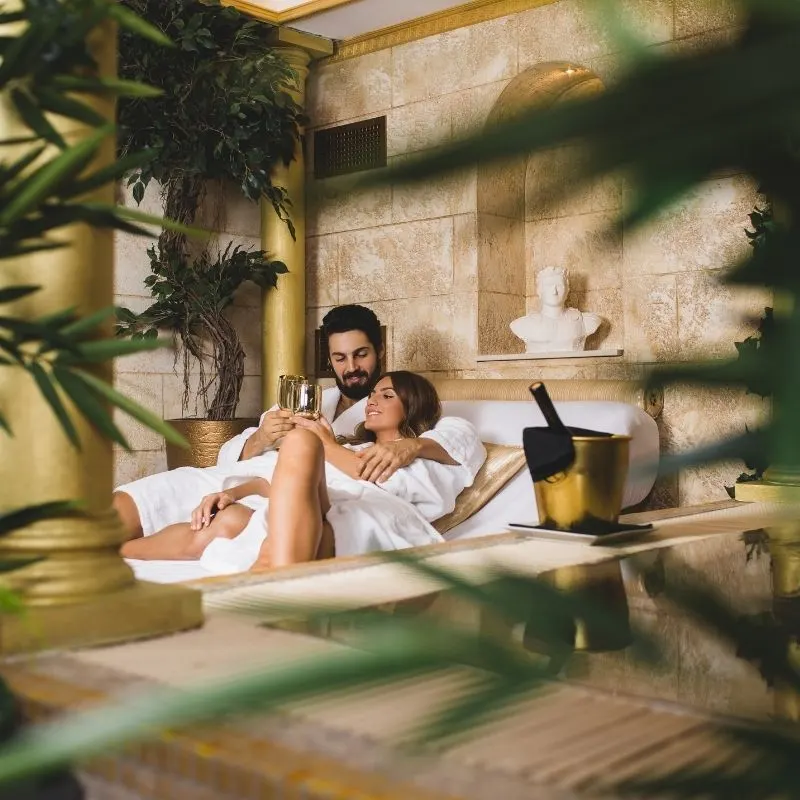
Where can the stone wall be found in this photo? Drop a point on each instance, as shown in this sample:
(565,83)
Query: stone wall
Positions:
(446,270)
(154,379)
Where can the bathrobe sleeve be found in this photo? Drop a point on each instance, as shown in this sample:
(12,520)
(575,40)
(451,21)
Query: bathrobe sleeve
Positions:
(463,444)
(430,487)
(231,451)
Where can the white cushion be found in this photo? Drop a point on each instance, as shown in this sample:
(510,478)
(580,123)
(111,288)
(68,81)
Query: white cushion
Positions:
(502,422)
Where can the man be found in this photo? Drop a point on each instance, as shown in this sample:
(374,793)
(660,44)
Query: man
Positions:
(355,349)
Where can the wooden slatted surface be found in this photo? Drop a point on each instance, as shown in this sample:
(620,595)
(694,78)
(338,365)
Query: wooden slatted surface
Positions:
(563,742)
(567,741)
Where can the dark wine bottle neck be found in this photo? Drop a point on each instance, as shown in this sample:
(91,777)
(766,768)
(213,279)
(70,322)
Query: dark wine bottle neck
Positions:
(546,406)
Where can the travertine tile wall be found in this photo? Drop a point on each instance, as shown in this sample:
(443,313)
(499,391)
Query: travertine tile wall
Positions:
(154,379)
(419,255)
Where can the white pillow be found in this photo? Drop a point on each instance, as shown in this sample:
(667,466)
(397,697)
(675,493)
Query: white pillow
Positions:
(502,422)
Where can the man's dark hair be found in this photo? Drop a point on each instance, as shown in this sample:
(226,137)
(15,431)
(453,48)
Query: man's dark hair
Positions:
(353,318)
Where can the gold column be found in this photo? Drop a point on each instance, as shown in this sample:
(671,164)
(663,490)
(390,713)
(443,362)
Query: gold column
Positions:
(283,309)
(82,592)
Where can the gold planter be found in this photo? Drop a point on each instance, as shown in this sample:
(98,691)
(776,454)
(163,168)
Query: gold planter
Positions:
(205,437)
(590,491)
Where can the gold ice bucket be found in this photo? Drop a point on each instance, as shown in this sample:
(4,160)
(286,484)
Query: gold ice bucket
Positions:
(589,493)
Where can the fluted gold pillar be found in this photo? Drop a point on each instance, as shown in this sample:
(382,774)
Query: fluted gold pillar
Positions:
(284,308)
(82,591)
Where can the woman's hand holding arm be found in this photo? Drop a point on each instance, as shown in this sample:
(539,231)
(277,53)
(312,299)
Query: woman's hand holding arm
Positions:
(341,458)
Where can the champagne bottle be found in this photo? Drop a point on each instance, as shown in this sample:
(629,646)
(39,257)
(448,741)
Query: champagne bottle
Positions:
(542,398)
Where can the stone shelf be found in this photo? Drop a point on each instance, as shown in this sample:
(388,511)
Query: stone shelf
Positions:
(606,353)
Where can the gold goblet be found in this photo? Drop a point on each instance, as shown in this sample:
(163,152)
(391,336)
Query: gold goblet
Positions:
(307,399)
(285,385)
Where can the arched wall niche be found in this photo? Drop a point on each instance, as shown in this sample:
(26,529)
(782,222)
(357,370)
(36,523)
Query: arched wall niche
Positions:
(512,217)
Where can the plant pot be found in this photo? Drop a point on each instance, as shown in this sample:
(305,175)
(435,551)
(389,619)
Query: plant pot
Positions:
(205,438)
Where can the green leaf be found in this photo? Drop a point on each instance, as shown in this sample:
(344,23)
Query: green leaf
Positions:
(21,164)
(12,293)
(116,86)
(13,564)
(113,172)
(47,178)
(69,108)
(57,319)
(75,386)
(106,349)
(32,116)
(50,394)
(32,331)
(88,323)
(40,246)
(10,601)
(151,219)
(12,520)
(135,24)
(131,408)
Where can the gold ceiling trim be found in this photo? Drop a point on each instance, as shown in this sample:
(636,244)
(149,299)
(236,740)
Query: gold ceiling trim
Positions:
(280,17)
(440,22)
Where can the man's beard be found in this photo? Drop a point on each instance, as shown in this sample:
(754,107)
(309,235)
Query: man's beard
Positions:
(358,391)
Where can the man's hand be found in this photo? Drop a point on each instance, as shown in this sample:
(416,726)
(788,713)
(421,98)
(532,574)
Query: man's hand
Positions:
(209,505)
(275,425)
(320,427)
(381,461)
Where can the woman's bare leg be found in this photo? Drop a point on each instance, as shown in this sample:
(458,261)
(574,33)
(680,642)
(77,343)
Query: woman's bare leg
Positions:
(180,543)
(298,503)
(128,514)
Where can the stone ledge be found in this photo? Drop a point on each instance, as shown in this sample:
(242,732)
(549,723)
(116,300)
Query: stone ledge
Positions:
(612,352)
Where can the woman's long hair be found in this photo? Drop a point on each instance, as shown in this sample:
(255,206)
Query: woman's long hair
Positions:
(421,405)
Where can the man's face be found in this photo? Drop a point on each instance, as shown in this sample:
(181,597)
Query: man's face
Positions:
(355,362)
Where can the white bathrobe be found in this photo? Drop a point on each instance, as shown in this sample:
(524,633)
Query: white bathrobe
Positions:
(365,517)
(170,497)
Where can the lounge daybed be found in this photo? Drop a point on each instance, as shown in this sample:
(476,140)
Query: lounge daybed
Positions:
(503,492)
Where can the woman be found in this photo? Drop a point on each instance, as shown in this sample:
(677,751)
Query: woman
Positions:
(309,496)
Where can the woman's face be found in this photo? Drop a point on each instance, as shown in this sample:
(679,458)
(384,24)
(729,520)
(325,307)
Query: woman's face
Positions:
(384,408)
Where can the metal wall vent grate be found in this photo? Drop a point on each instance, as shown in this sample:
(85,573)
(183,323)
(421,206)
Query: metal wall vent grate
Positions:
(350,148)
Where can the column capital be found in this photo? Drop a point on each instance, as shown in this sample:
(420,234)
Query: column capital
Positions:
(299,60)
(313,46)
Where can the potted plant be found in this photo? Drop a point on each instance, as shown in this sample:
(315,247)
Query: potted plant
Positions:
(192,297)
(752,348)
(225,115)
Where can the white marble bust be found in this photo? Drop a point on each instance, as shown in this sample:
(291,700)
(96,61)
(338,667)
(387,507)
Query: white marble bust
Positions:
(554,328)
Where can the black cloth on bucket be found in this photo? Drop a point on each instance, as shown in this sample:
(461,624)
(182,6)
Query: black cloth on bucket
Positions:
(549,451)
